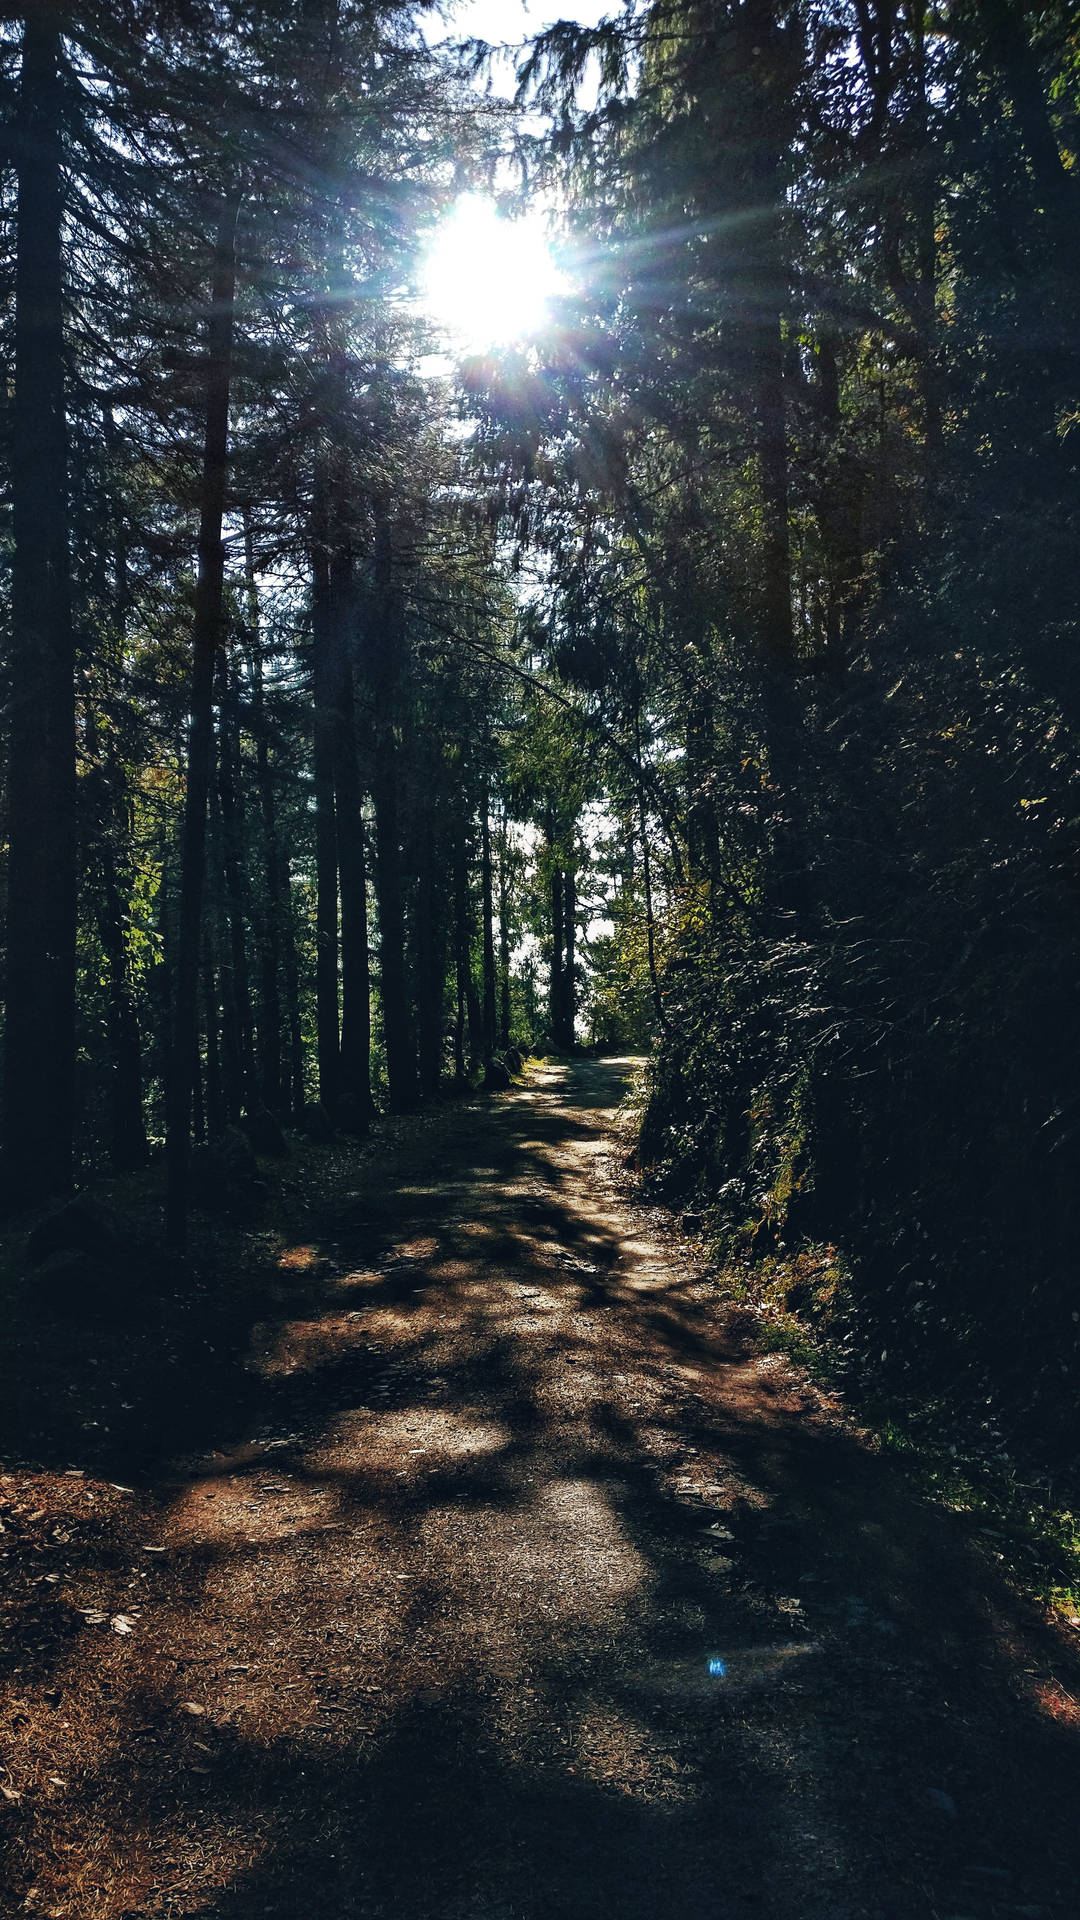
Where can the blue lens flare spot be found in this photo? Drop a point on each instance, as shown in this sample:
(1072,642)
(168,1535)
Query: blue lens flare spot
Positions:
(717,1669)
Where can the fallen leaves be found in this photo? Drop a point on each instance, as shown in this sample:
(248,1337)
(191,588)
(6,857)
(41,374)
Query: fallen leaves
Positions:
(121,1623)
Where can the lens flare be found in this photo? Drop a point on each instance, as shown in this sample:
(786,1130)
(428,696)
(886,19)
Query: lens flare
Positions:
(489,281)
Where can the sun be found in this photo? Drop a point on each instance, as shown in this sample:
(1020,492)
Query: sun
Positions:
(489,281)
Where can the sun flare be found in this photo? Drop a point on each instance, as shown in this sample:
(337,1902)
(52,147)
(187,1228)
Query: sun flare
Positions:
(489,281)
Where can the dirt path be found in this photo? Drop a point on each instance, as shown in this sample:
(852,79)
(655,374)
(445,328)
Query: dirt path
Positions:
(535,1594)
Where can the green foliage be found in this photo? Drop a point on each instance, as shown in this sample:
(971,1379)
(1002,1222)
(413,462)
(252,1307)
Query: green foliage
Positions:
(1018,1516)
(776,743)
(618,1010)
(841,290)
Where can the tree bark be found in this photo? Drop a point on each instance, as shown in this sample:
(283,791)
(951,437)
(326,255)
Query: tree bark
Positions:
(778,633)
(383,651)
(206,639)
(488,933)
(128,1144)
(297,1090)
(354,1091)
(924,210)
(764,281)
(327,1011)
(461,959)
(128,1147)
(557,989)
(504,940)
(215,1095)
(397,1025)
(39,1088)
(469,1041)
(1009,48)
(216,919)
(430,961)
(646,876)
(233,870)
(272,905)
(569,961)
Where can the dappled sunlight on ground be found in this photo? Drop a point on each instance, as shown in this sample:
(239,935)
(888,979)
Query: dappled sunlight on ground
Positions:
(529,1595)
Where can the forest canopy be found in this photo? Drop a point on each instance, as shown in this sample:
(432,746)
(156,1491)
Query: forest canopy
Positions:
(680,658)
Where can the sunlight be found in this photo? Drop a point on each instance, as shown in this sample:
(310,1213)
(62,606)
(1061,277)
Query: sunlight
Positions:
(489,281)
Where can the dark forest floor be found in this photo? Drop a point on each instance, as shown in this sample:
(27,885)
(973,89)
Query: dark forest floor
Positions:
(456,1556)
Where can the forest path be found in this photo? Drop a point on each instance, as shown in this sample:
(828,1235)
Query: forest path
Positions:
(539,1594)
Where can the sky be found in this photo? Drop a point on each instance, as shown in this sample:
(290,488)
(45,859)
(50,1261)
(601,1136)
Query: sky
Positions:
(467,267)
(516,19)
(509,22)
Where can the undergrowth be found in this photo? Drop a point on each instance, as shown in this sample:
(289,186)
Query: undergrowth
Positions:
(1022,1518)
(953,1454)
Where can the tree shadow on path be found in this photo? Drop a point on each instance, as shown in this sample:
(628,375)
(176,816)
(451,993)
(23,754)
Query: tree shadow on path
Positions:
(588,1612)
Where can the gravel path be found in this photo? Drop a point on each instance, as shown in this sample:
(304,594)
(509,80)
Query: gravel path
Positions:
(536,1593)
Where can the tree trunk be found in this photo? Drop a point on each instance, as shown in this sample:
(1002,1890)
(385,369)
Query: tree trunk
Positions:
(569,1040)
(488,933)
(198,1097)
(461,959)
(764,282)
(430,961)
(272,907)
(161,979)
(397,1025)
(504,940)
(128,1144)
(39,1088)
(328,1044)
(382,661)
(468,998)
(215,1095)
(557,989)
(1006,39)
(297,1090)
(646,876)
(702,835)
(233,870)
(924,210)
(206,639)
(777,629)
(216,917)
(355,1059)
(473,1015)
